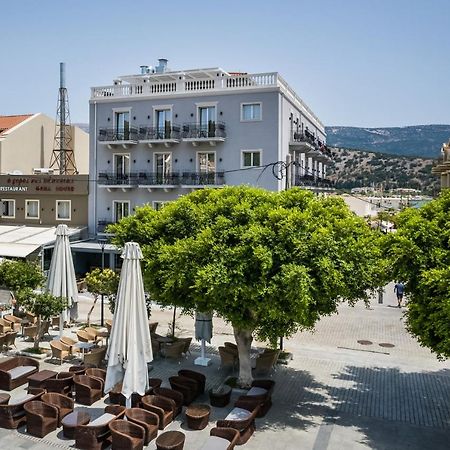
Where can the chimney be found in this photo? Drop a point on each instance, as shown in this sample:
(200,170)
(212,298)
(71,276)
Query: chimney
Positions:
(144,70)
(162,66)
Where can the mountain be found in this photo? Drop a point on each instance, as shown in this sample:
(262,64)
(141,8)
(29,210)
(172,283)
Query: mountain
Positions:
(356,168)
(418,140)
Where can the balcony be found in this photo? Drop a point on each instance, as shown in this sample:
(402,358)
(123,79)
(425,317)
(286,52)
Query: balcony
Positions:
(155,181)
(113,181)
(191,180)
(313,183)
(102,224)
(167,136)
(115,137)
(210,133)
(307,143)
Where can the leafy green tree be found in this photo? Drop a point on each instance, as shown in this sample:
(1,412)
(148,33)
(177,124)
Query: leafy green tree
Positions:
(420,256)
(18,275)
(43,305)
(268,263)
(100,282)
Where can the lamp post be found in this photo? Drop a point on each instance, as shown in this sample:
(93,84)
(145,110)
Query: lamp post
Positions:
(102,243)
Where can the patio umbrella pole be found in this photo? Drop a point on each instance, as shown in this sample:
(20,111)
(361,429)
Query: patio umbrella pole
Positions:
(173,321)
(203,332)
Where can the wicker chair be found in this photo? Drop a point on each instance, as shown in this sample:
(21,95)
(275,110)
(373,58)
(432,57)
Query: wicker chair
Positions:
(83,336)
(219,435)
(69,342)
(187,386)
(100,374)
(95,357)
(228,358)
(16,322)
(116,397)
(187,343)
(55,322)
(59,350)
(62,384)
(197,376)
(152,326)
(231,346)
(30,332)
(126,435)
(163,407)
(78,369)
(13,414)
(242,419)
(175,396)
(41,418)
(109,324)
(10,339)
(15,371)
(266,361)
(5,326)
(31,317)
(87,390)
(146,419)
(260,395)
(174,350)
(63,403)
(93,332)
(2,341)
(94,435)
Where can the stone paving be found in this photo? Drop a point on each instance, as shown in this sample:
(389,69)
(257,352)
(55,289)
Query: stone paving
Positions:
(335,394)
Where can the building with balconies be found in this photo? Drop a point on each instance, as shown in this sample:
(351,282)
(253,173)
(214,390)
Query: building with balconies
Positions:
(160,134)
(442,169)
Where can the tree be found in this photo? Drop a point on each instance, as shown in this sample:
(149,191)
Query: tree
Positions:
(420,256)
(19,275)
(268,263)
(100,282)
(43,305)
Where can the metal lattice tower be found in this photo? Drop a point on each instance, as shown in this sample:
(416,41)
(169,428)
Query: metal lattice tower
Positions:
(63,158)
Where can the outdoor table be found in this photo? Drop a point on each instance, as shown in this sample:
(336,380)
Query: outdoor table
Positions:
(104,334)
(84,346)
(170,440)
(197,416)
(4,399)
(38,379)
(220,397)
(72,421)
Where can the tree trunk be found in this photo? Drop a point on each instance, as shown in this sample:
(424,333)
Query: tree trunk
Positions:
(41,325)
(88,319)
(244,340)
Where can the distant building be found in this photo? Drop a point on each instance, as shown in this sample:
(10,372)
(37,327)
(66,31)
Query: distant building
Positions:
(442,169)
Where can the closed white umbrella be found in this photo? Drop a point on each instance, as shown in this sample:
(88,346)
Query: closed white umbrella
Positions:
(61,281)
(129,348)
(203,332)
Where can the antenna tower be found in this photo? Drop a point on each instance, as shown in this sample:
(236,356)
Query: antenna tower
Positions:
(63,158)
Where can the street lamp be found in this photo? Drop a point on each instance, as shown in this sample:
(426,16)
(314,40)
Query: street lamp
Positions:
(102,243)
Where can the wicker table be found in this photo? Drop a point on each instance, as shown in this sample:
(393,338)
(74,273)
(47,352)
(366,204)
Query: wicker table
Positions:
(170,440)
(72,420)
(220,397)
(197,416)
(4,399)
(38,379)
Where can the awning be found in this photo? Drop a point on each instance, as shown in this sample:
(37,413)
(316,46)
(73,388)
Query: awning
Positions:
(20,241)
(93,247)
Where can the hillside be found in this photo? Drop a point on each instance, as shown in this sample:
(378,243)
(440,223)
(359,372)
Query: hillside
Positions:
(418,140)
(353,168)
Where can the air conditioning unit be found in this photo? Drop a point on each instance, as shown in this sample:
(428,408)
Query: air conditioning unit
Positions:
(43,170)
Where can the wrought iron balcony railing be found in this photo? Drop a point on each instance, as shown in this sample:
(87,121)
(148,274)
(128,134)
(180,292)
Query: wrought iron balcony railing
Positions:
(115,179)
(204,131)
(118,134)
(311,181)
(158,179)
(159,133)
(203,178)
(102,224)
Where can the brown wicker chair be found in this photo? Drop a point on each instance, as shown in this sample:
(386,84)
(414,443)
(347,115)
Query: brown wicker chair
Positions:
(116,397)
(197,376)
(78,369)
(41,418)
(62,402)
(16,322)
(126,435)
(95,357)
(174,350)
(83,336)
(231,346)
(15,371)
(62,384)
(94,435)
(31,317)
(163,407)
(13,414)
(87,390)
(146,419)
(30,332)
(175,396)
(2,341)
(10,339)
(260,395)
(5,326)
(109,324)
(60,351)
(187,343)
(93,332)
(69,342)
(240,418)
(228,358)
(266,361)
(227,434)
(187,386)
(100,374)
(55,322)
(152,326)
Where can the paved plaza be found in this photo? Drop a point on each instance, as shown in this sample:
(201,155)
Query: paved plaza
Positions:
(337,393)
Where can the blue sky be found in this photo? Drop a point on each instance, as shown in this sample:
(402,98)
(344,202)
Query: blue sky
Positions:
(355,62)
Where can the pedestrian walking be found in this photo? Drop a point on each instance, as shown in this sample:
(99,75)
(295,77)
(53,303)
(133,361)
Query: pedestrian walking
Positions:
(399,289)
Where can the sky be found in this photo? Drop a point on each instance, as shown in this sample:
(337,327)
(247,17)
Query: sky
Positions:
(367,63)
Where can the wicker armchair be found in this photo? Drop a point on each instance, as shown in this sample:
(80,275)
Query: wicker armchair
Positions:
(126,435)
(218,436)
(87,390)
(93,332)
(55,322)
(63,403)
(240,418)
(95,357)
(5,326)
(10,339)
(116,397)
(231,346)
(78,369)
(83,336)
(228,358)
(2,341)
(152,326)
(109,324)
(13,414)
(146,419)
(16,322)
(187,343)
(94,435)
(30,332)
(175,396)
(260,395)
(62,384)
(187,386)
(31,317)
(41,418)
(174,350)
(163,407)
(59,350)
(15,371)
(197,376)
(266,361)
(100,374)
(69,342)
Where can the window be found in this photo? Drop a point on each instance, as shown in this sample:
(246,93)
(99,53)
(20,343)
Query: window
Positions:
(250,112)
(163,166)
(206,162)
(163,119)
(251,158)
(63,209)
(207,121)
(121,210)
(9,208)
(158,205)
(32,209)
(122,127)
(121,165)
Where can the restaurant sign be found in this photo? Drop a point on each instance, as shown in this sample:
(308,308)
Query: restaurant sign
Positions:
(44,184)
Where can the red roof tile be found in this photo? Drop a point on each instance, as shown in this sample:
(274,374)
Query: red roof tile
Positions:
(8,122)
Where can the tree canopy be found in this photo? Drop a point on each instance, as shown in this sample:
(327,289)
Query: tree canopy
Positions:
(18,275)
(269,263)
(420,256)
